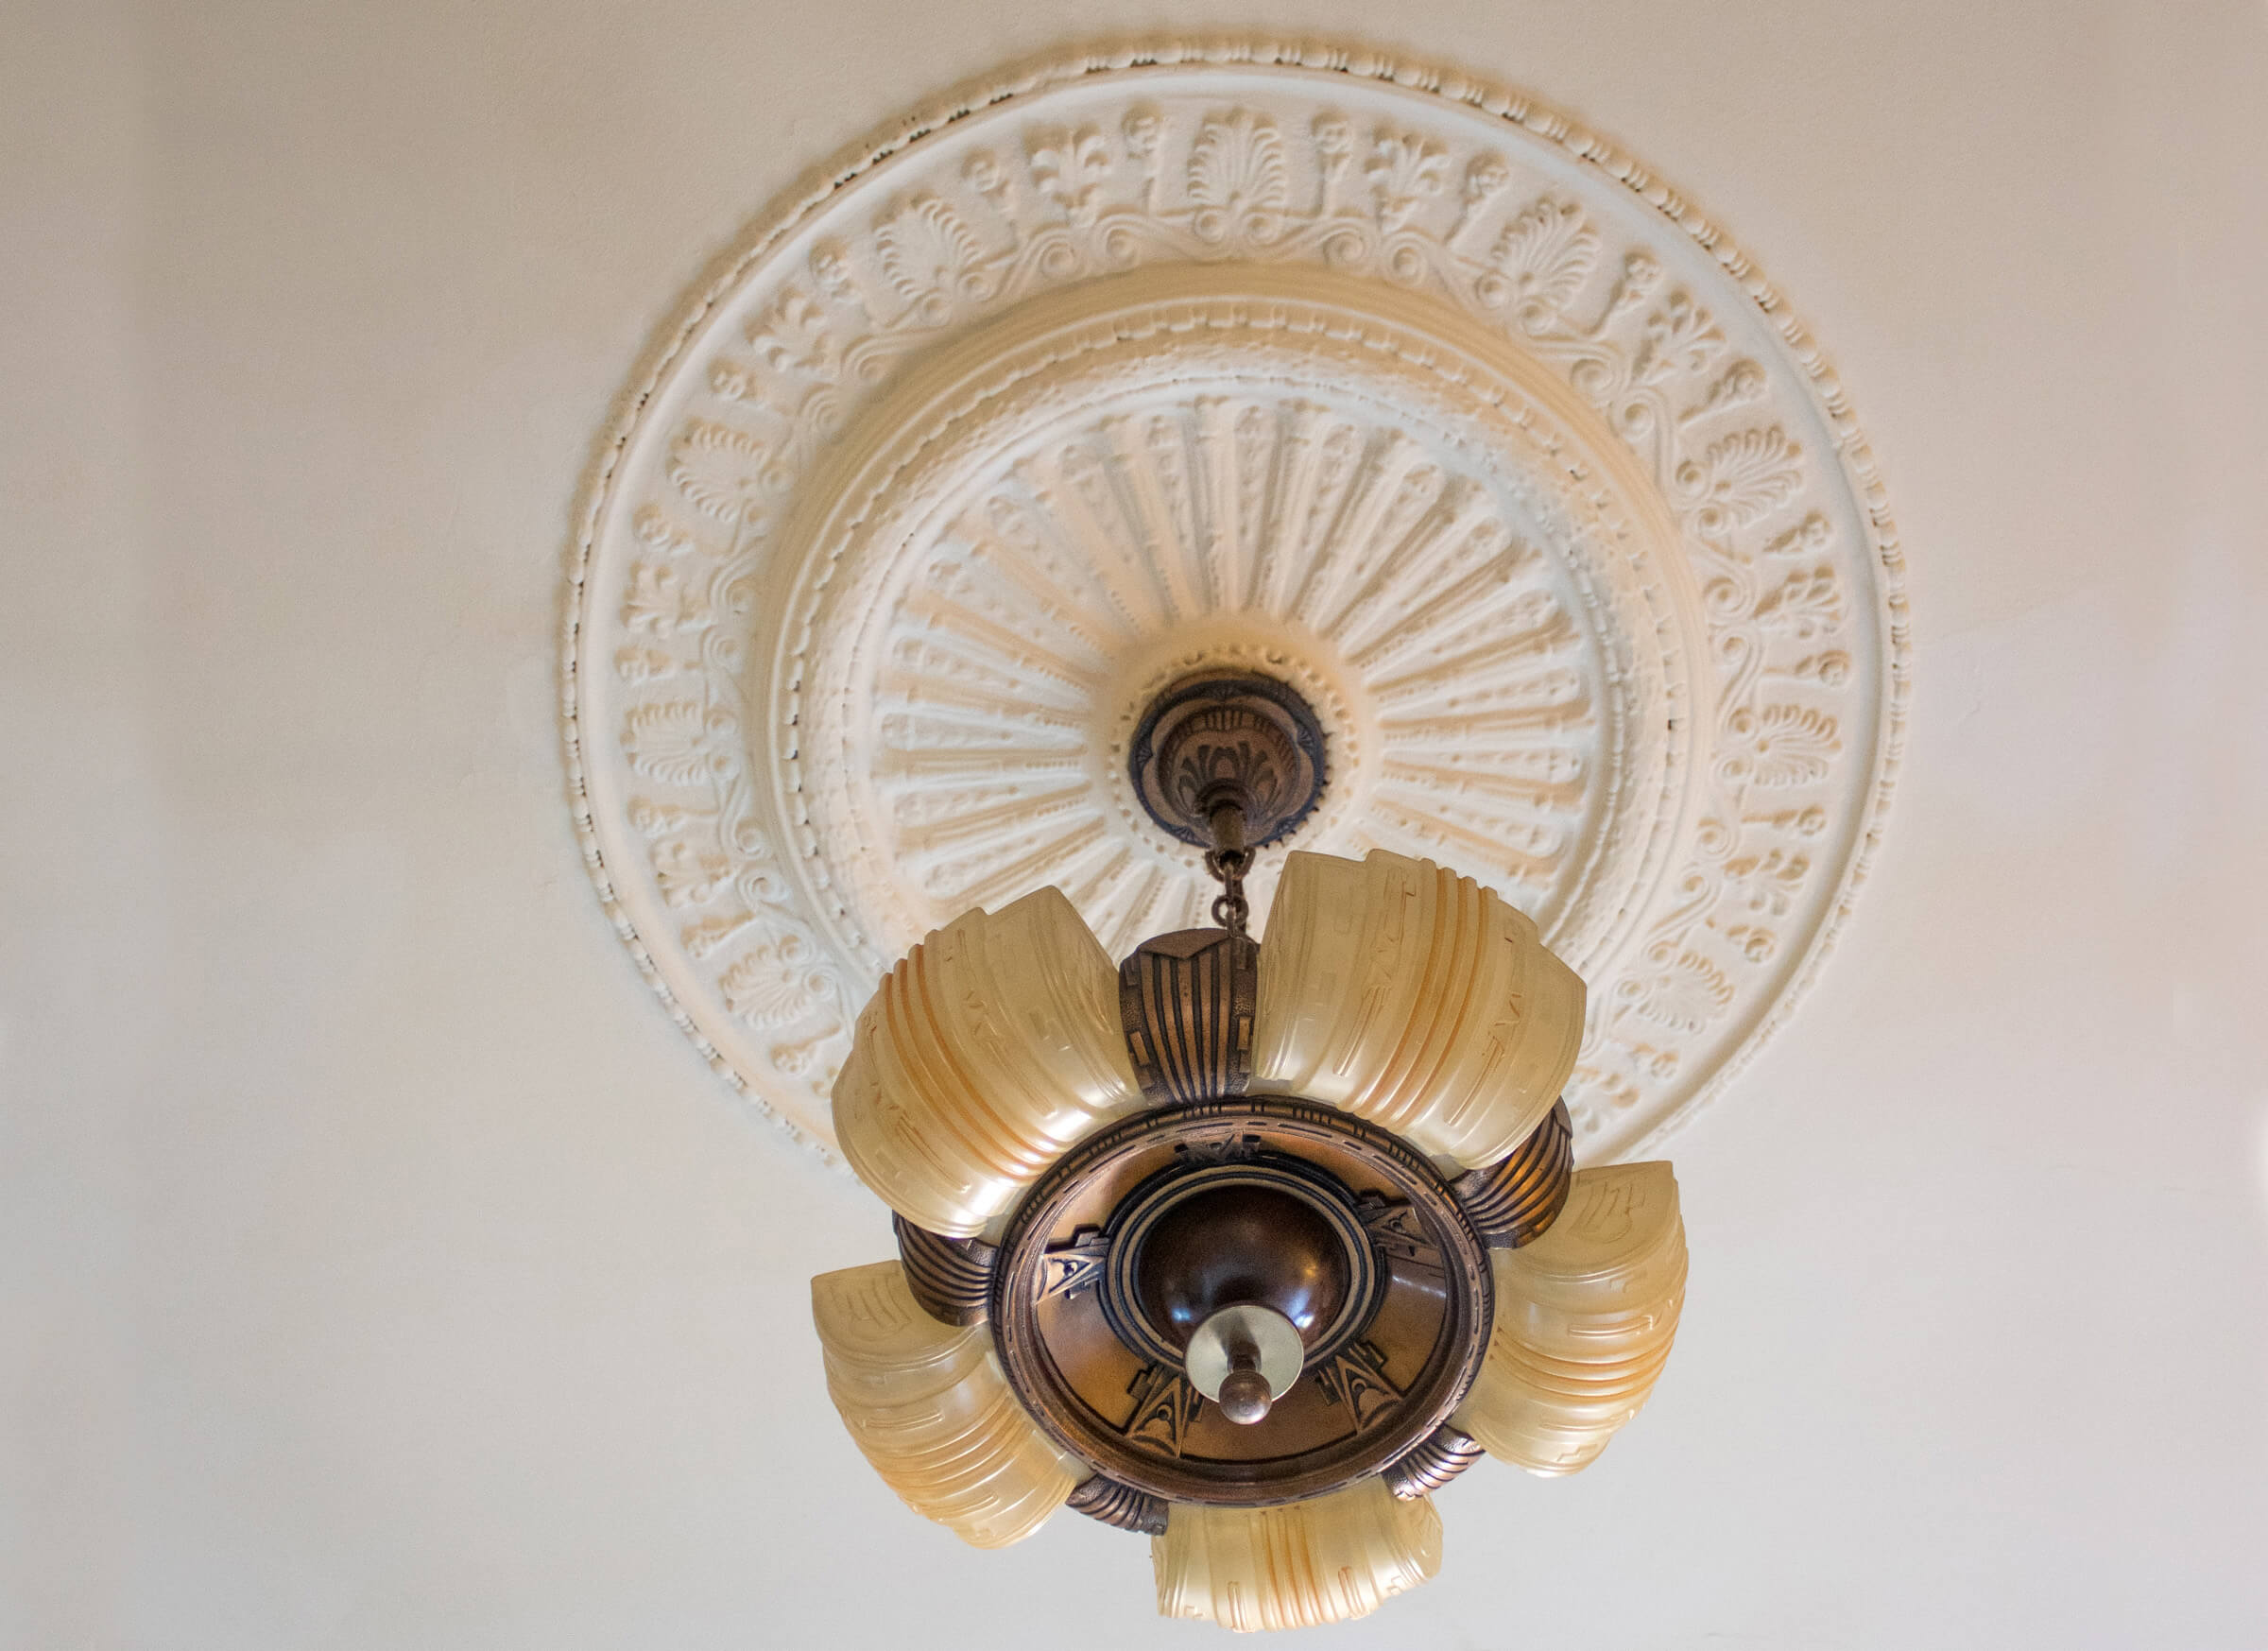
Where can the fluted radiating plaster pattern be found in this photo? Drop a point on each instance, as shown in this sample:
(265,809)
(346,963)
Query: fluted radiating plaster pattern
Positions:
(1327,1561)
(1414,998)
(928,1407)
(1585,1316)
(1281,516)
(993,1045)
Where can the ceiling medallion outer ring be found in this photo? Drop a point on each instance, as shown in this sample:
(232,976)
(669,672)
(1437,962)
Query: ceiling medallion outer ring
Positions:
(1436,1230)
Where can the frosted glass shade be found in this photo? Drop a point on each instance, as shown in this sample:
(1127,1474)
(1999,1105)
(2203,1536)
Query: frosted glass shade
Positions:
(1417,998)
(1585,1316)
(1327,1560)
(928,1407)
(992,1046)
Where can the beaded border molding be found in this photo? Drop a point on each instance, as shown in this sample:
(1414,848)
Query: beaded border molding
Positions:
(1395,385)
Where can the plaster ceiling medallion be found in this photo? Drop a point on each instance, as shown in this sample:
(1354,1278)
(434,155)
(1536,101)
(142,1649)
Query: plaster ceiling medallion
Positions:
(1394,389)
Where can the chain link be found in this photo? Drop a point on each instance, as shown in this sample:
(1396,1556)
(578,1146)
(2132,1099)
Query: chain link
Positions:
(1230,910)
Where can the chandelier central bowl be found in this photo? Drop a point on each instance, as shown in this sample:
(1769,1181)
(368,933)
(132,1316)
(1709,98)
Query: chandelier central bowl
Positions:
(1259,1267)
(1095,1242)
(1224,1246)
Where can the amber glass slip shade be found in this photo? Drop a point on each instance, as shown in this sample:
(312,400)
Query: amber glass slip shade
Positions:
(927,1407)
(1585,1316)
(1327,1561)
(1417,998)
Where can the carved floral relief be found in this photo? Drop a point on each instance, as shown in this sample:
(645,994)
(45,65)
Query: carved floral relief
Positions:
(1402,387)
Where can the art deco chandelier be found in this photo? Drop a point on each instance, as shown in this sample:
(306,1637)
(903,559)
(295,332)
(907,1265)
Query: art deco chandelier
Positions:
(1251,1248)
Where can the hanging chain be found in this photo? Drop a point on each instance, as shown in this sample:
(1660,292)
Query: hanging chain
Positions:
(1229,860)
(1230,909)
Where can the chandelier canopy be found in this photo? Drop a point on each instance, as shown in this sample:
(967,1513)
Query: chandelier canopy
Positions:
(1251,1247)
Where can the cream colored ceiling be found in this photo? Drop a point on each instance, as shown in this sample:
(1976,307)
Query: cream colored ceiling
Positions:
(397,1274)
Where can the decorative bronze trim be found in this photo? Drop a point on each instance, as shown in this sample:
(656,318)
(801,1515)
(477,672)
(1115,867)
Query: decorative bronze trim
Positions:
(1164,1405)
(1129,1510)
(1356,1379)
(1187,999)
(1515,1201)
(1149,1451)
(1074,1265)
(950,1278)
(1435,1460)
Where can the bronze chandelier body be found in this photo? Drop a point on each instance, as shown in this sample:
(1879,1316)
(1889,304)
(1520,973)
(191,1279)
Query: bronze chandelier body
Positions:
(1304,1253)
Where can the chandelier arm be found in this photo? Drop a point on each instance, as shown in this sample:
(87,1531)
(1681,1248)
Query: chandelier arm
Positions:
(951,1279)
(1186,1002)
(1515,1200)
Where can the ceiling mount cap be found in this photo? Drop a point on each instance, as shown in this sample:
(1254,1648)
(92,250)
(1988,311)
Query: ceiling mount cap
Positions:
(1229,736)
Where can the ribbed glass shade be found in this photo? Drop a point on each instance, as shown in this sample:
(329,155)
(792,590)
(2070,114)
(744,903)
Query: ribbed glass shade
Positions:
(1417,998)
(1327,1561)
(1585,1316)
(928,1407)
(992,1046)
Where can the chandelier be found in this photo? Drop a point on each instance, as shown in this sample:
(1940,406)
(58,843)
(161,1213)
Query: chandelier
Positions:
(1248,1246)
